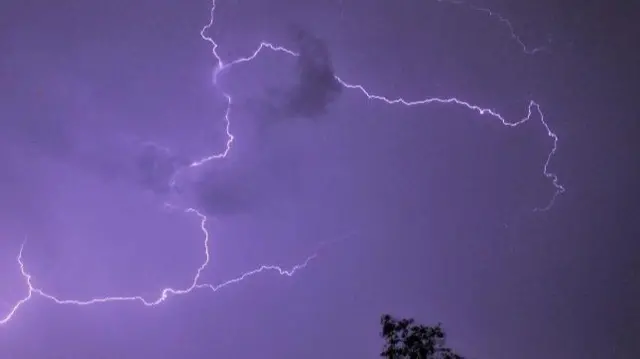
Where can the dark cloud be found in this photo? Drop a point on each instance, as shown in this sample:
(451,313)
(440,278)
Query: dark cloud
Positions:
(257,182)
(263,178)
(51,131)
(146,165)
(315,87)
(154,167)
(224,197)
(62,126)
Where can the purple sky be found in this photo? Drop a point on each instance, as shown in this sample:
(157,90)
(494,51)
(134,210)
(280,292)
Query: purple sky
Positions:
(425,211)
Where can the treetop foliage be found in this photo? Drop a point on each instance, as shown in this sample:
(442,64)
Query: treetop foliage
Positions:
(407,340)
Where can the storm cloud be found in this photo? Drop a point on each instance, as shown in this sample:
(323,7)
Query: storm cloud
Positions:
(154,167)
(226,192)
(262,179)
(145,165)
(68,124)
(99,150)
(314,89)
(317,86)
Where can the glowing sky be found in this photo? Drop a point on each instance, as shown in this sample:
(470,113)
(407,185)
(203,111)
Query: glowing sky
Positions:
(319,162)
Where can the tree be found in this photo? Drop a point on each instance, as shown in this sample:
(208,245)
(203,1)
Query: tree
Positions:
(407,340)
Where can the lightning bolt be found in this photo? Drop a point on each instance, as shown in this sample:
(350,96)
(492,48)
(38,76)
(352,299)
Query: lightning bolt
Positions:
(166,292)
(533,111)
(506,22)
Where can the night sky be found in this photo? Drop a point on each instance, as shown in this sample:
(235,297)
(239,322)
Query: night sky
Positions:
(425,211)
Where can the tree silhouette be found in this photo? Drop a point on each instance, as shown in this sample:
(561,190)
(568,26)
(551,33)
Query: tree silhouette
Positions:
(407,340)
